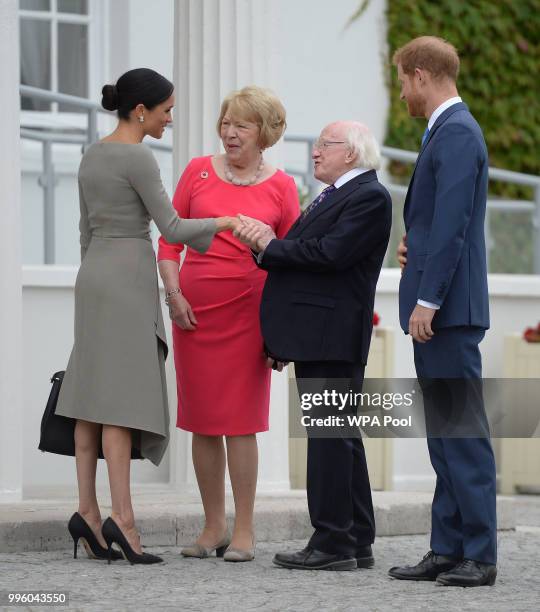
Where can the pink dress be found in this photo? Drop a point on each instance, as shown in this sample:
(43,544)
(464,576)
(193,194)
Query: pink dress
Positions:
(222,381)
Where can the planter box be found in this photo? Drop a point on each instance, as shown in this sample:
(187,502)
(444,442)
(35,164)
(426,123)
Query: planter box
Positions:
(520,458)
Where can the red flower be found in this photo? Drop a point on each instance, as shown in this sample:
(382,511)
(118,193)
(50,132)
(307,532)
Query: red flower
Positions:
(376,319)
(532,334)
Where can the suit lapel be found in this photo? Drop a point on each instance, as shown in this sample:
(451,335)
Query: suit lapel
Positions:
(440,120)
(332,199)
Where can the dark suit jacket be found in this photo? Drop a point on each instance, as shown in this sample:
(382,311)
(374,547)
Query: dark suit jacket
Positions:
(317,303)
(444,219)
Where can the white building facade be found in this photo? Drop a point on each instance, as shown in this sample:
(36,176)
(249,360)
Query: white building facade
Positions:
(322,70)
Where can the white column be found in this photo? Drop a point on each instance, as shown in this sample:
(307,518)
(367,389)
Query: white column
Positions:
(220,46)
(11,381)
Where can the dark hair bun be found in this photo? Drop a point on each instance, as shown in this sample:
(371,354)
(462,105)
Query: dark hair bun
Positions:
(137,86)
(110,97)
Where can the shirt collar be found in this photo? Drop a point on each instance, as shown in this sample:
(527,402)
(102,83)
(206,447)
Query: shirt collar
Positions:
(348,176)
(440,110)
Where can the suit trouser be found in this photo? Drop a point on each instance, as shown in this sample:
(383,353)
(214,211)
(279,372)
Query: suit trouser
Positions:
(338,489)
(449,368)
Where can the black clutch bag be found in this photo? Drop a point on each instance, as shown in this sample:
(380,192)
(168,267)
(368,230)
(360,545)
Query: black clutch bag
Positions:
(58,432)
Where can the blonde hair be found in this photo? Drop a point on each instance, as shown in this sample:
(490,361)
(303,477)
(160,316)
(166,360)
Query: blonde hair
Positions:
(430,53)
(260,106)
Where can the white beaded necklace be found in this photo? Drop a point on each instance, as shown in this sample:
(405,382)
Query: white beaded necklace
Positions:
(243,182)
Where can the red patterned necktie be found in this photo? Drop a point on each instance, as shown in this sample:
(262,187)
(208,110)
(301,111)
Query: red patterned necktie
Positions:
(318,200)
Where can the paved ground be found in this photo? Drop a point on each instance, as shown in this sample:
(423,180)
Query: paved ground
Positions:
(211,584)
(527,509)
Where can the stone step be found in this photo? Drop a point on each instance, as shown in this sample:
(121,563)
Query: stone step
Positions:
(167,518)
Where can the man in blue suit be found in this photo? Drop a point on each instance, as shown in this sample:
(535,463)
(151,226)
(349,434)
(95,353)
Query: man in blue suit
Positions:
(443,299)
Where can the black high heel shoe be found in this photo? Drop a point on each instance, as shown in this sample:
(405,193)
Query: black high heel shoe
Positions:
(81,530)
(113,535)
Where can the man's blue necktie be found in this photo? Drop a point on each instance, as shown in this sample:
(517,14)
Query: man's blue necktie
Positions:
(318,200)
(425,136)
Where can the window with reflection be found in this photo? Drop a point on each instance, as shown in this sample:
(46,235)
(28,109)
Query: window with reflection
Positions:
(54,50)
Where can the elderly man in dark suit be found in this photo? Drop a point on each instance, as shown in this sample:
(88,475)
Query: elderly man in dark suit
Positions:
(317,310)
(444,306)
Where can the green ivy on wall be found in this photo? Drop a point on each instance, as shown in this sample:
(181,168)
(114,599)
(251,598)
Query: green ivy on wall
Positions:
(498,42)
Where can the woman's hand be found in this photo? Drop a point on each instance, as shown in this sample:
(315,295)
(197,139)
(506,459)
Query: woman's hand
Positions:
(228,223)
(181,312)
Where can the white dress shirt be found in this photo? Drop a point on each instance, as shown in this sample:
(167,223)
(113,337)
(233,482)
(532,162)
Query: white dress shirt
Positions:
(434,116)
(348,176)
(440,110)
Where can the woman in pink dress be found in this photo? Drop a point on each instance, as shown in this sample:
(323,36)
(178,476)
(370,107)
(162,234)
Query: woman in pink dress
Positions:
(223,380)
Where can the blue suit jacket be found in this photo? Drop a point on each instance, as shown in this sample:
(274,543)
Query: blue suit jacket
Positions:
(444,219)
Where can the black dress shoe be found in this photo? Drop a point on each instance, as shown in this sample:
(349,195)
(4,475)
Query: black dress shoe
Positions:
(428,569)
(469,573)
(311,559)
(364,557)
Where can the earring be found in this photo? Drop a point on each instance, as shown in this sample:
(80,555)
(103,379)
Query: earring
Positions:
(141,119)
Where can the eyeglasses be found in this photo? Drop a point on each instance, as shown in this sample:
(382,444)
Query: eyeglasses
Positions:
(324,144)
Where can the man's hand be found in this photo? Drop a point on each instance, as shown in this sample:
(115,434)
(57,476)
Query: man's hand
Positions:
(254,233)
(275,364)
(181,313)
(402,252)
(420,323)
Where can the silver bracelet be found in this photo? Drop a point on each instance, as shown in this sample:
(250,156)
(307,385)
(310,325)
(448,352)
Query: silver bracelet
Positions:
(170,294)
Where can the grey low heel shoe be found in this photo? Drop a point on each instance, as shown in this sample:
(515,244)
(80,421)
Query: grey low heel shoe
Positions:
(201,552)
(237,555)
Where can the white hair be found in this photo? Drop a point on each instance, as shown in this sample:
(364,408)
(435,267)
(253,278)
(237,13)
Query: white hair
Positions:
(364,145)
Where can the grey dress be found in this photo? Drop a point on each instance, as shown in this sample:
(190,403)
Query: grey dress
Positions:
(116,372)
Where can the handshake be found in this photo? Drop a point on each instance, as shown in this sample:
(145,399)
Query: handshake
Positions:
(254,233)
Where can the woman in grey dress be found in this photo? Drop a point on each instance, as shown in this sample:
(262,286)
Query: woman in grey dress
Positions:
(114,385)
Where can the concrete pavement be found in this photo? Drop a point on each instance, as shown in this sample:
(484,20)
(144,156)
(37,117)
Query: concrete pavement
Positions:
(200,585)
(211,584)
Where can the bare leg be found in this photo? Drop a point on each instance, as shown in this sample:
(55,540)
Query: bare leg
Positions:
(87,437)
(209,462)
(242,458)
(117,451)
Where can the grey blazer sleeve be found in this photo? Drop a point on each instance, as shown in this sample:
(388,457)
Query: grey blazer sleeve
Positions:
(145,178)
(84,226)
